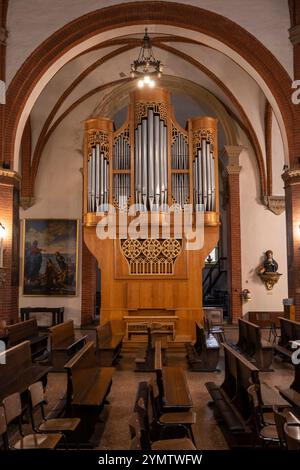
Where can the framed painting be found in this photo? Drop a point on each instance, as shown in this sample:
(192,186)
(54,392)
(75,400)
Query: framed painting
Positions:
(50,257)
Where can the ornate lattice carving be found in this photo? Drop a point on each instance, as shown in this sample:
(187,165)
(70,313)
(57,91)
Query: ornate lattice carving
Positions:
(151,256)
(141,110)
(176,132)
(125,135)
(203,134)
(101,138)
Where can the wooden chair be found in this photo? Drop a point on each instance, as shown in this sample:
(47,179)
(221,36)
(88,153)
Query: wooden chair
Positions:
(13,411)
(165,421)
(292,436)
(214,321)
(66,426)
(282,417)
(140,439)
(266,433)
(3,428)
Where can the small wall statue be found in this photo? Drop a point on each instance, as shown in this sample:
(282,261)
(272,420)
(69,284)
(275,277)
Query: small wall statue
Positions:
(268,271)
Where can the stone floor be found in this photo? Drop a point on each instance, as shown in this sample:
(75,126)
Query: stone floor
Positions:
(112,433)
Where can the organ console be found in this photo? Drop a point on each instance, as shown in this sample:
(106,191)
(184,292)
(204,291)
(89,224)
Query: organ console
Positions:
(151,161)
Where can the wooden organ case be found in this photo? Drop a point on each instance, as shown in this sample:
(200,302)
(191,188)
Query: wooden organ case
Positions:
(155,163)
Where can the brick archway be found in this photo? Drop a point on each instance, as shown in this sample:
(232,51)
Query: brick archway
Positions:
(175,14)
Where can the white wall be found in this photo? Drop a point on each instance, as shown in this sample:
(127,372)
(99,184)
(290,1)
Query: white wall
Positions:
(59,195)
(260,230)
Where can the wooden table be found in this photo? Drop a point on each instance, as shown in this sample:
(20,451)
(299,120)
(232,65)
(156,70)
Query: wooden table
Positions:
(176,390)
(56,312)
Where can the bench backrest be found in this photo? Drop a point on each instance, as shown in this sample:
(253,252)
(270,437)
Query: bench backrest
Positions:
(21,331)
(104,333)
(61,333)
(265,319)
(251,337)
(13,362)
(239,375)
(243,336)
(80,369)
(290,330)
(157,356)
(200,344)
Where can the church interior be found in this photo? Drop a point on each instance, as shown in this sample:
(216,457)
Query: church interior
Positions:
(149,225)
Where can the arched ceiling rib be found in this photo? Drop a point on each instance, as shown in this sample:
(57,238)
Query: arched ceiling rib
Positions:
(176,50)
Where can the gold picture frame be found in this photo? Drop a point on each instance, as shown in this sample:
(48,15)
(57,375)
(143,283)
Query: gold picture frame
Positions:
(50,257)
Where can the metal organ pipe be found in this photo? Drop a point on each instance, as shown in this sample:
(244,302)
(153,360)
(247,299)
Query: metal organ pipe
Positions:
(150,158)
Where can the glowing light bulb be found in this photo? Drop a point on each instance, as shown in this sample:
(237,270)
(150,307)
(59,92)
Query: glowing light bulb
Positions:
(140,83)
(147,79)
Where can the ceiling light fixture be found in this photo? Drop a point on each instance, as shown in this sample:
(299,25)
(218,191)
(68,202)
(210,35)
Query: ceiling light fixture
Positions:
(146,67)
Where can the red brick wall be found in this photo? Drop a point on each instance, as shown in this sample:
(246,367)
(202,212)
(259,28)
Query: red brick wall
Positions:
(9,291)
(89,285)
(234,247)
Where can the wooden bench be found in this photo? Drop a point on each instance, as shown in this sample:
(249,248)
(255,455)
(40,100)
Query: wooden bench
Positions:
(203,355)
(17,371)
(108,344)
(87,388)
(63,343)
(28,330)
(289,331)
(292,394)
(253,347)
(232,407)
(173,388)
(149,358)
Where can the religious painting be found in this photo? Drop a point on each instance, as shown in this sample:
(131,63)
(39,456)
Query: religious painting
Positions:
(50,257)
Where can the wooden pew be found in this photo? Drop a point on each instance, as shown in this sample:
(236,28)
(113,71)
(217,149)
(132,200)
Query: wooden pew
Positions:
(28,330)
(174,390)
(17,371)
(63,343)
(149,358)
(289,331)
(203,356)
(87,388)
(253,347)
(292,394)
(232,407)
(108,344)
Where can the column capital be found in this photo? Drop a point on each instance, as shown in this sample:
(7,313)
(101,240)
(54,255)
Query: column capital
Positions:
(10,177)
(291,176)
(231,158)
(295,34)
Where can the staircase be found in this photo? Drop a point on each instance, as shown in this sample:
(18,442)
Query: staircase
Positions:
(213,296)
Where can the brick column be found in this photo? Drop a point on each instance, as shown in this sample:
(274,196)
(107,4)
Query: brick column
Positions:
(230,157)
(3,37)
(9,218)
(89,285)
(291,179)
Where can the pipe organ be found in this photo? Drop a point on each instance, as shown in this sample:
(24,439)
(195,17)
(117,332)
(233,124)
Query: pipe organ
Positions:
(155,163)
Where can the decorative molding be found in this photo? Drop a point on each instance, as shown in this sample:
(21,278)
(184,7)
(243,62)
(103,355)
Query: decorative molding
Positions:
(10,174)
(291,176)
(275,204)
(269,279)
(151,256)
(231,158)
(26,202)
(295,34)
